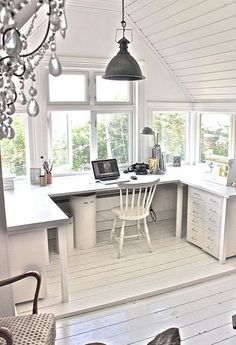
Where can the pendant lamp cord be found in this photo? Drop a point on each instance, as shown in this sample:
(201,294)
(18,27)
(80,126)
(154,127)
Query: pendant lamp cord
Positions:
(123,22)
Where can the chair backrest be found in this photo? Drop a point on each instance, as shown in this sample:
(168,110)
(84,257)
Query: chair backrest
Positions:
(136,198)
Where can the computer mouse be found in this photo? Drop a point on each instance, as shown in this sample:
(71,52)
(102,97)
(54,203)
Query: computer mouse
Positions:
(133,177)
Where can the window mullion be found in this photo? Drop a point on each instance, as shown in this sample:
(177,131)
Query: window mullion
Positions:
(232,146)
(93,128)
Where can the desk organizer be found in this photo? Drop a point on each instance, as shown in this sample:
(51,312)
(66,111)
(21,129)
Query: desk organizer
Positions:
(220,170)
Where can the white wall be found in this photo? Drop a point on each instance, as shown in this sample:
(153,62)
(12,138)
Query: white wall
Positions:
(6,296)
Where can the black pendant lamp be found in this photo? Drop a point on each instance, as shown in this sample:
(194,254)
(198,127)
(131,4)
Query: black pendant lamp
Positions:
(123,66)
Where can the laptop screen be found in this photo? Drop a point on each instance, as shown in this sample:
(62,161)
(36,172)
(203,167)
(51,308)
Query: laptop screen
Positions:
(105,169)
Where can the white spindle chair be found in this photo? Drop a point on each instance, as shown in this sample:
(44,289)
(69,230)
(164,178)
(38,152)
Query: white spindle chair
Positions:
(135,202)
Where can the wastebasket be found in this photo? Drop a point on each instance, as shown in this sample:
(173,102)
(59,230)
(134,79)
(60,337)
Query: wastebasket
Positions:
(84,213)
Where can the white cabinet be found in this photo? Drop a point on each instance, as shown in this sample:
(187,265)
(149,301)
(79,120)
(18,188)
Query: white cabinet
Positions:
(27,252)
(211,223)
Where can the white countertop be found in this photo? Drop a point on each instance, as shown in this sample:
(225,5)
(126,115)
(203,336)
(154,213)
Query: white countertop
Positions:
(29,207)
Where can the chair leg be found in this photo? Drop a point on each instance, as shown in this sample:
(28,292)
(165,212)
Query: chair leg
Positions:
(121,239)
(113,230)
(146,232)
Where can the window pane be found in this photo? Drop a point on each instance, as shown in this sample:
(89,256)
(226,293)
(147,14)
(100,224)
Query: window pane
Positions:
(113,136)
(71,140)
(112,91)
(67,88)
(13,151)
(215,129)
(171,128)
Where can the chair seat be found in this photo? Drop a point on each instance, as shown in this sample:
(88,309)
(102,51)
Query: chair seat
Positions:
(134,214)
(37,329)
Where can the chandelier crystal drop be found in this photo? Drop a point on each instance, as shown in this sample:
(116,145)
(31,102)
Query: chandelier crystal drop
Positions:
(17,62)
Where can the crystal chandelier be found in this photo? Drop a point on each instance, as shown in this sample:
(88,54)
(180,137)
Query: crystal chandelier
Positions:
(17,63)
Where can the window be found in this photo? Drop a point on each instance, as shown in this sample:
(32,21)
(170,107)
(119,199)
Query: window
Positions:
(110,91)
(171,128)
(70,140)
(97,129)
(113,136)
(13,152)
(68,88)
(215,132)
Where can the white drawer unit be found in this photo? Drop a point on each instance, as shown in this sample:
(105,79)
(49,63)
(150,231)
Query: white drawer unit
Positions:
(211,222)
(204,220)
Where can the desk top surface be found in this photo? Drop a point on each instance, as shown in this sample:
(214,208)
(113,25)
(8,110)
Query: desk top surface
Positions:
(29,207)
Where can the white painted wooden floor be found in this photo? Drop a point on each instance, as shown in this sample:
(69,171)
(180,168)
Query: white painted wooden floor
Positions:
(97,279)
(202,313)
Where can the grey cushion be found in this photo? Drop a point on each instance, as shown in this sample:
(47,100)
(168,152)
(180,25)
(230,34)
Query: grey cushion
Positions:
(37,329)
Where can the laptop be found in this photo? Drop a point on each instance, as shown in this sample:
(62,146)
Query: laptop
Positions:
(107,172)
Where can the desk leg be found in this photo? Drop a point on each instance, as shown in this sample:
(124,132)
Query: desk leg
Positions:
(223,234)
(179,210)
(62,244)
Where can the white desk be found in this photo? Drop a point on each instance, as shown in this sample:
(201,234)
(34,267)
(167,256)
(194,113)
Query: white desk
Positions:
(29,208)
(30,211)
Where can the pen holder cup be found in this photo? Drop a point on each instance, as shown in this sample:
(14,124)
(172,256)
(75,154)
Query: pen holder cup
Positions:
(49,178)
(43,180)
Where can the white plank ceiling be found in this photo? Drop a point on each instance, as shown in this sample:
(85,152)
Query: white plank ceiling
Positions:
(196,39)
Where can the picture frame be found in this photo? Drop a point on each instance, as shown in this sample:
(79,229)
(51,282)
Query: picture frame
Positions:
(176,161)
(34,175)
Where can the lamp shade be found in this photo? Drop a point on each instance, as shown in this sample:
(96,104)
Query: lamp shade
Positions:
(123,66)
(147,131)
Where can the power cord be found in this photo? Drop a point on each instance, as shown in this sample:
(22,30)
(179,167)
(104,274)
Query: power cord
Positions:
(153,215)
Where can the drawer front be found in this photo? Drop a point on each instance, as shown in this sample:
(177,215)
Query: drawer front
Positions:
(210,244)
(212,229)
(194,238)
(212,221)
(214,200)
(196,207)
(192,228)
(213,210)
(195,220)
(196,193)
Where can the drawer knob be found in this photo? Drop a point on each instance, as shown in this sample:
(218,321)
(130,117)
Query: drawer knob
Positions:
(212,200)
(211,220)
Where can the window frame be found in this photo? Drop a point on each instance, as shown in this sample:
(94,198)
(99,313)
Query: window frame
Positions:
(192,140)
(232,123)
(94,108)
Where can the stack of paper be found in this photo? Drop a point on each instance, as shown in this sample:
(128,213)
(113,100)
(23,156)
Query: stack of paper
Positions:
(8,182)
